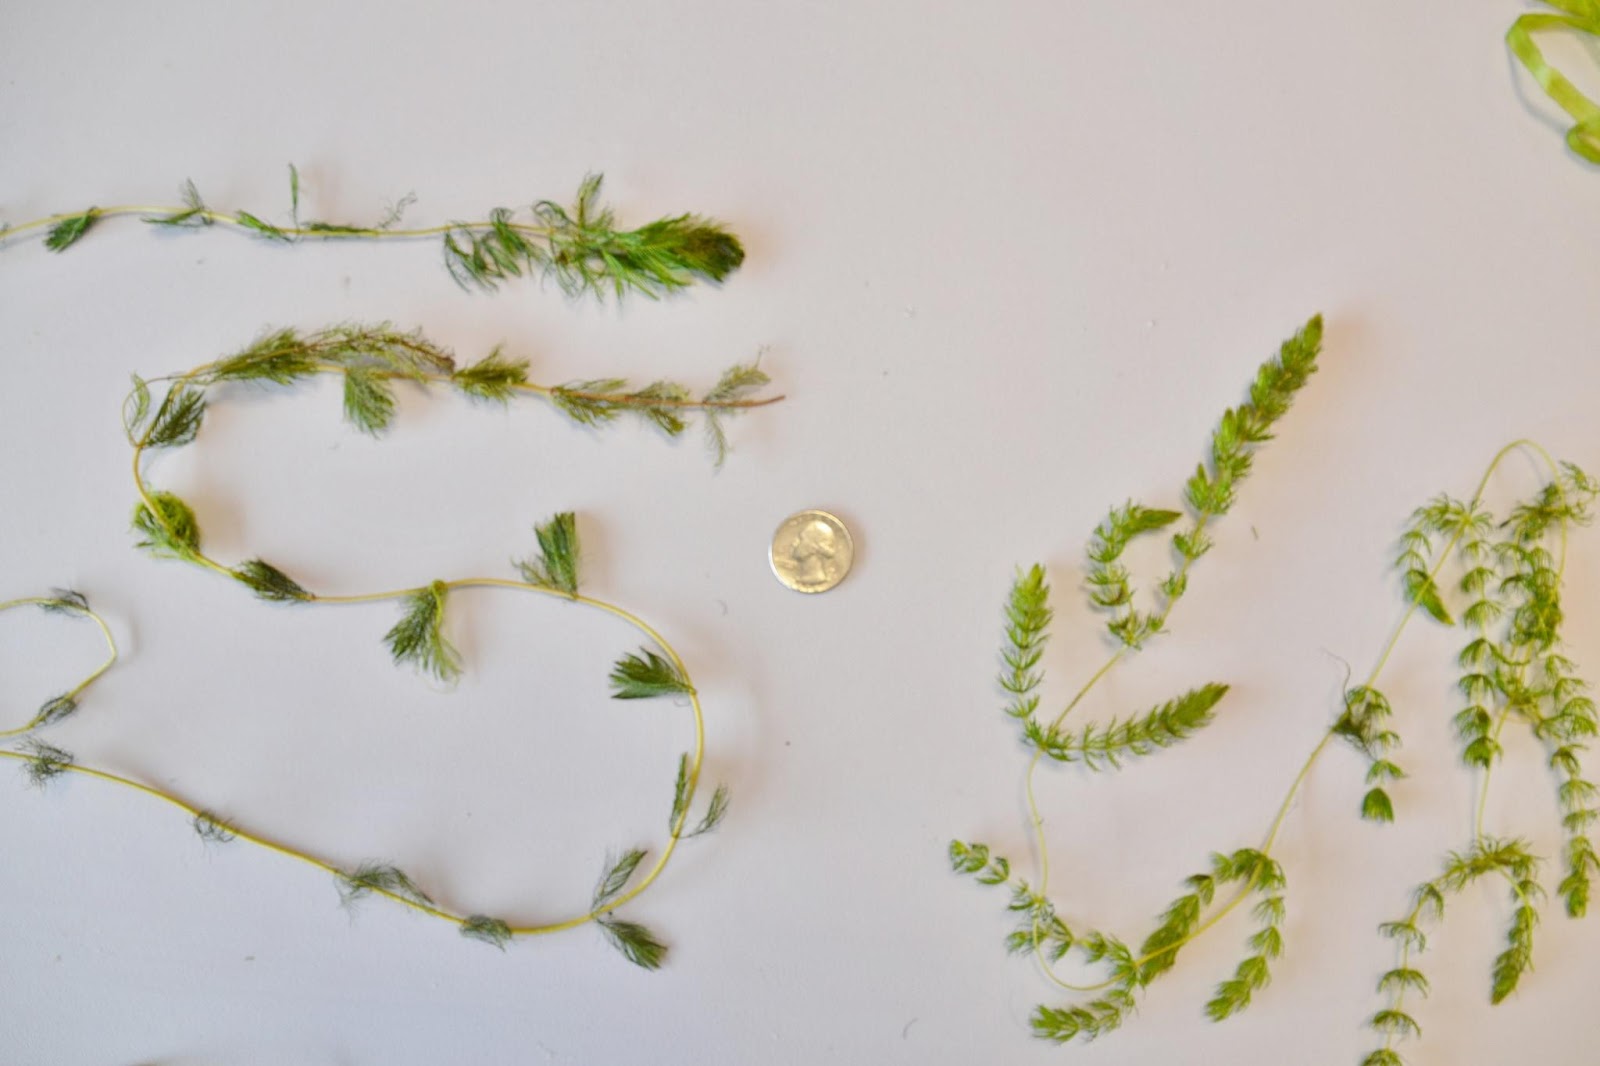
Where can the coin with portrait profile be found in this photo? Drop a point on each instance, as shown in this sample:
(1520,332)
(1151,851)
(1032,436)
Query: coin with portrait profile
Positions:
(811,551)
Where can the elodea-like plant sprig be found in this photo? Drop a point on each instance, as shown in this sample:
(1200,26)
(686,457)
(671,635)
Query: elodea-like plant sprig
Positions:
(1508,599)
(656,671)
(579,246)
(1209,494)
(1513,673)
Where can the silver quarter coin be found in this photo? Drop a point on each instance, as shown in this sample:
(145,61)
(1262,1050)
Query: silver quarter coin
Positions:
(811,551)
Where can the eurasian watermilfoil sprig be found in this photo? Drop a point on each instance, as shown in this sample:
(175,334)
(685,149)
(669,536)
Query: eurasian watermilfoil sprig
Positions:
(372,362)
(655,671)
(64,704)
(579,246)
(1209,493)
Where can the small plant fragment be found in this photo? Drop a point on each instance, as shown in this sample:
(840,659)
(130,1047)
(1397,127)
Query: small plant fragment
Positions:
(379,877)
(556,567)
(491,931)
(72,604)
(418,638)
(647,675)
(212,829)
(636,943)
(1579,17)
(579,245)
(1507,604)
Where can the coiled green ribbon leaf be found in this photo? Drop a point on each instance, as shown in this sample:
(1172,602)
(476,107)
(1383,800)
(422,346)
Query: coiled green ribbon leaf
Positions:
(1582,16)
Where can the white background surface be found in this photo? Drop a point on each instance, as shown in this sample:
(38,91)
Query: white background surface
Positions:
(1010,262)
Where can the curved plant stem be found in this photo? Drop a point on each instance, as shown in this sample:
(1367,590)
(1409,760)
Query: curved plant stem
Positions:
(206,216)
(422,906)
(67,701)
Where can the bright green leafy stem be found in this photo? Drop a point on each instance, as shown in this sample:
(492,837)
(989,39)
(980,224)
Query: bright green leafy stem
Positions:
(579,246)
(1512,670)
(1577,16)
(1209,494)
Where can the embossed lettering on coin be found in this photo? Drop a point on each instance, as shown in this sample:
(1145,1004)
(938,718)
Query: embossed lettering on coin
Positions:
(812,551)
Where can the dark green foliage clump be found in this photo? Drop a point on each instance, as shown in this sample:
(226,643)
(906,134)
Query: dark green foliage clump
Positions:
(65,601)
(70,231)
(557,566)
(44,761)
(493,378)
(716,810)
(615,878)
(279,358)
(418,638)
(177,420)
(379,877)
(269,583)
(55,709)
(368,400)
(583,251)
(170,530)
(636,942)
(261,227)
(489,930)
(644,676)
